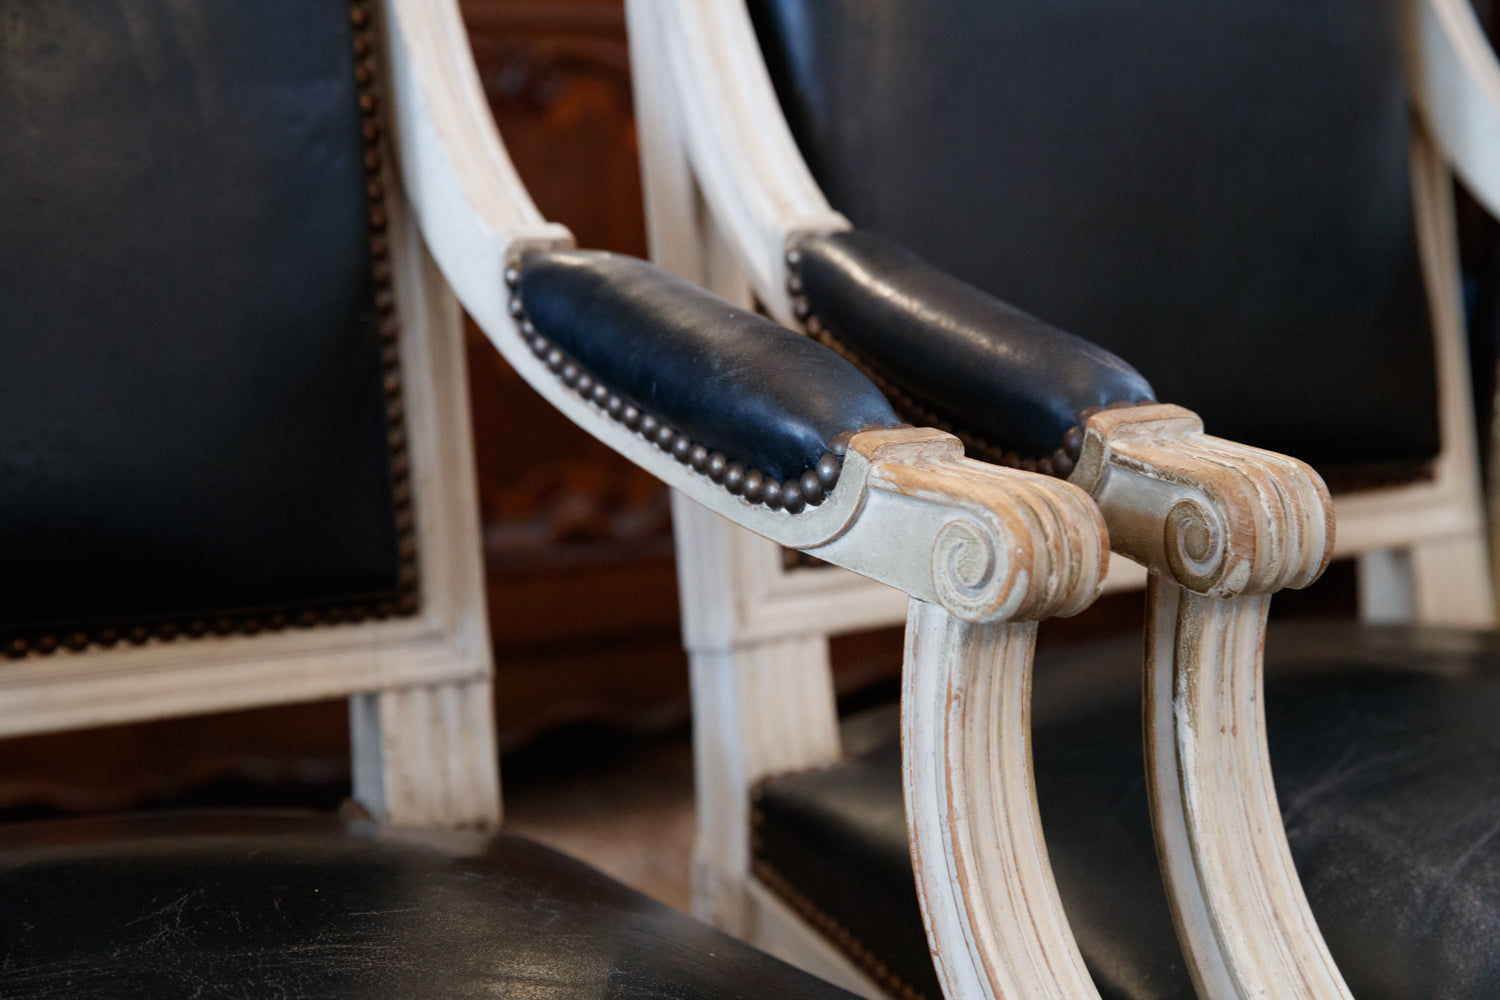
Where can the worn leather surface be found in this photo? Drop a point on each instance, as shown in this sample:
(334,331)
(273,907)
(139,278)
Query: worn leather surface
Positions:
(1216,192)
(190,378)
(1013,380)
(299,906)
(1386,758)
(730,380)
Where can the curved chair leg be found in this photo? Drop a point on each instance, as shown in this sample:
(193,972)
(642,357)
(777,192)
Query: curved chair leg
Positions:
(1222,527)
(1239,907)
(990,902)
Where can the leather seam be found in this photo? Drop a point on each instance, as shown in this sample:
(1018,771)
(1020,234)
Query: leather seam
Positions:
(829,926)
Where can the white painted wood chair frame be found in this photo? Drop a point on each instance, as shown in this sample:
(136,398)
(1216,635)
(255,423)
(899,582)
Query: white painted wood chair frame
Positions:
(727,194)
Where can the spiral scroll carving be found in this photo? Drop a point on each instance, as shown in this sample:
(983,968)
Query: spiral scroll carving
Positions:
(970,571)
(995,544)
(1196,543)
(1218,517)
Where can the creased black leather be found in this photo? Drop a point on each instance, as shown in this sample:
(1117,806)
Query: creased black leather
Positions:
(191,413)
(1387,767)
(1218,192)
(297,906)
(1007,377)
(728,379)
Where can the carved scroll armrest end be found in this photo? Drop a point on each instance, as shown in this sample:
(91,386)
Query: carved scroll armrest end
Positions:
(1002,545)
(1220,518)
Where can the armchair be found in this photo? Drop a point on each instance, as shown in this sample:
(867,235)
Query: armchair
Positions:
(1237,200)
(214,271)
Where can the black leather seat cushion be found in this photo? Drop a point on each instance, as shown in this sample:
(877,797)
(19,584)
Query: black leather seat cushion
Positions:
(225,904)
(1388,776)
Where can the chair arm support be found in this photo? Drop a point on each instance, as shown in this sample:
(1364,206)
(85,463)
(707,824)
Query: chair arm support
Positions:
(1222,526)
(701,58)
(1456,85)
(474,213)
(719,403)
(1012,385)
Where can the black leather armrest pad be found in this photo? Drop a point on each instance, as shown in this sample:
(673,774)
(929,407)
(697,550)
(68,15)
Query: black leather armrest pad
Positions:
(994,371)
(725,378)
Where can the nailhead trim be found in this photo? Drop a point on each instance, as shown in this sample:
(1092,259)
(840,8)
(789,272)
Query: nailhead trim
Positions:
(407,598)
(828,925)
(1060,463)
(794,495)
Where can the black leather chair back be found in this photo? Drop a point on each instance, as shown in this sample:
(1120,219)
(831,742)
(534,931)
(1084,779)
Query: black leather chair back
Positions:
(1216,191)
(200,418)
